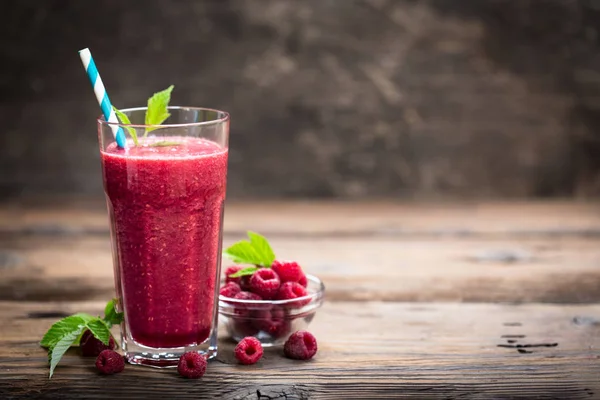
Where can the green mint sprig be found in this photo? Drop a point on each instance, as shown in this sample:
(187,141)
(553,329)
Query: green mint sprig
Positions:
(68,331)
(165,143)
(156,113)
(125,120)
(256,251)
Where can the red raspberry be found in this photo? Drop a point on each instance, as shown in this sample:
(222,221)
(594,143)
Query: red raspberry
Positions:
(287,271)
(279,329)
(265,283)
(262,319)
(245,282)
(110,362)
(303,281)
(292,290)
(243,295)
(271,321)
(302,345)
(243,310)
(191,365)
(92,347)
(230,289)
(230,271)
(248,350)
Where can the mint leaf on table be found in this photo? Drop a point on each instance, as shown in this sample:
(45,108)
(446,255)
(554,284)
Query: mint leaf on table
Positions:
(100,330)
(125,120)
(62,328)
(68,331)
(157,111)
(256,251)
(61,347)
(85,316)
(111,316)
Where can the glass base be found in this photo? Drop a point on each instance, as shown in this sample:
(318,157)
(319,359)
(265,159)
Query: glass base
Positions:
(241,327)
(264,338)
(138,354)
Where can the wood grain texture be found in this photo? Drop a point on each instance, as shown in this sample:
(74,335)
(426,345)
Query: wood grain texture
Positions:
(368,350)
(409,311)
(64,216)
(519,252)
(555,269)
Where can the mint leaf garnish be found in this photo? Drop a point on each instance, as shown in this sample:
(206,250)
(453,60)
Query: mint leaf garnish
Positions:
(111,316)
(61,347)
(257,251)
(262,247)
(157,111)
(244,272)
(125,120)
(164,143)
(68,331)
(243,252)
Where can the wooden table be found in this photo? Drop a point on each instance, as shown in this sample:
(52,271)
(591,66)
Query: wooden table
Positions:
(469,301)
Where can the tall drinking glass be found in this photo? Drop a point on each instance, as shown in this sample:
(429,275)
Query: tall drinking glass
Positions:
(165,199)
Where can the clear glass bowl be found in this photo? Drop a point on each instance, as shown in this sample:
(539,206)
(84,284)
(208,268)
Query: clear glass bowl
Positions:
(271,321)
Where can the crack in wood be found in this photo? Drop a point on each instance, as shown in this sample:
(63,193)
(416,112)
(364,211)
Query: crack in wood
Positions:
(522,346)
(47,314)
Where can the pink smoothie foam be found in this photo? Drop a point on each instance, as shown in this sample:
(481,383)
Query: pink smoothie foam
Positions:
(166,205)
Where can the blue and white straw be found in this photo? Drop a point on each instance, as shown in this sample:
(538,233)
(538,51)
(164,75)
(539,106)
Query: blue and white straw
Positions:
(101,95)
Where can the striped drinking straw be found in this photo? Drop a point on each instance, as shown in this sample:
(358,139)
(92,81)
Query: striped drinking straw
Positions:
(101,95)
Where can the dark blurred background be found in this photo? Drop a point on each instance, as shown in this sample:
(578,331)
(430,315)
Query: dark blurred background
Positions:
(329,98)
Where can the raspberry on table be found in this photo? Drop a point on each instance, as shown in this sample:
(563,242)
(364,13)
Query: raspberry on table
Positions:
(110,362)
(191,365)
(232,270)
(265,283)
(292,290)
(248,350)
(287,271)
(301,345)
(92,347)
(230,289)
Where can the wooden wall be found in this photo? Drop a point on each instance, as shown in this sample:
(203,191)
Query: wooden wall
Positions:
(329,98)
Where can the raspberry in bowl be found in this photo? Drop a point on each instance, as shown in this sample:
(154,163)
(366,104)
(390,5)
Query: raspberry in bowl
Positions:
(268,307)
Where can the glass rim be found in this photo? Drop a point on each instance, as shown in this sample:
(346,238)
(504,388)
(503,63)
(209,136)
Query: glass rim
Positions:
(316,296)
(224,118)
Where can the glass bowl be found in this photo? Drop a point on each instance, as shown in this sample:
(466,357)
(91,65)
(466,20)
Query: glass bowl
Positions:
(271,321)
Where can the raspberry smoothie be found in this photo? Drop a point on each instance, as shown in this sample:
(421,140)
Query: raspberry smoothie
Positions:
(166,205)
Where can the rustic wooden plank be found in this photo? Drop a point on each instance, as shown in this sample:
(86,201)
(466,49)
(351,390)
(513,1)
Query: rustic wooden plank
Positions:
(551,269)
(79,216)
(368,350)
